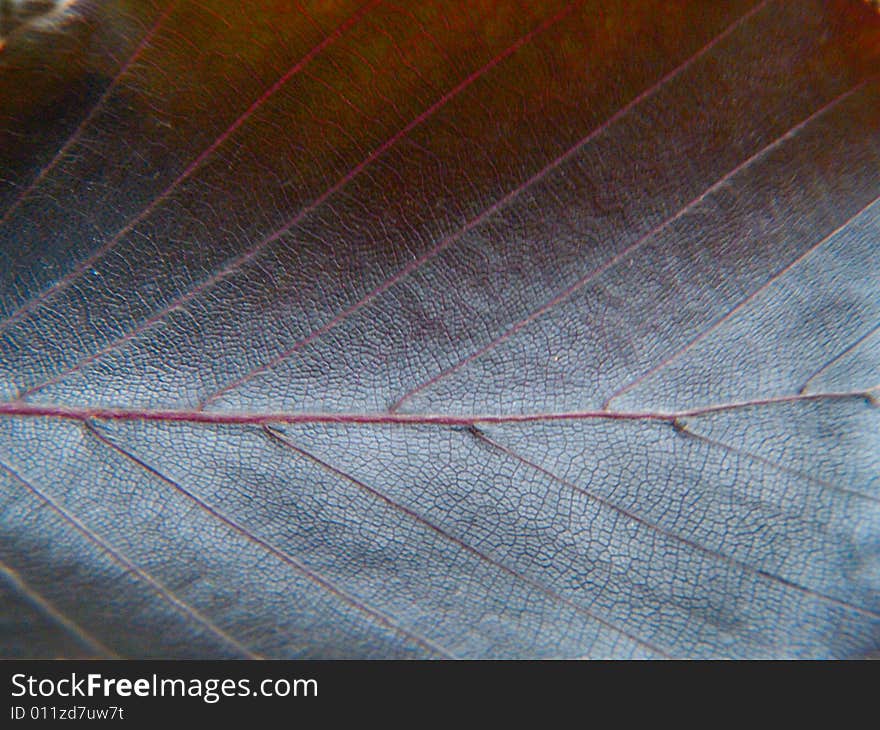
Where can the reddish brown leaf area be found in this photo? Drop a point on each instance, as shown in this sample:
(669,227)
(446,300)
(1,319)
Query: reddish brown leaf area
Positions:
(486,329)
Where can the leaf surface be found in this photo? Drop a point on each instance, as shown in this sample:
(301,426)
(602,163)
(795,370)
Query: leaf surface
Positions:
(480,330)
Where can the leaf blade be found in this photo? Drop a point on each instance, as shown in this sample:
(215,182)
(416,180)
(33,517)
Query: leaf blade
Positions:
(466,333)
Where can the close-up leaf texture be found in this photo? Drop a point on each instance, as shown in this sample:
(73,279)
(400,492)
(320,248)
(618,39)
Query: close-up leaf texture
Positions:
(439,329)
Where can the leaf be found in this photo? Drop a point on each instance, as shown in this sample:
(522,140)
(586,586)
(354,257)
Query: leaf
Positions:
(450,330)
